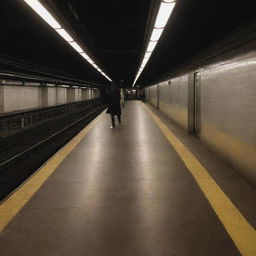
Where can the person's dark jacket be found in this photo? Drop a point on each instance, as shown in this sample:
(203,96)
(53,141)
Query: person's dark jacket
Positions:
(114,102)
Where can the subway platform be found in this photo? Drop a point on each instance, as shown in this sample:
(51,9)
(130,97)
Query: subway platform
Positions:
(143,188)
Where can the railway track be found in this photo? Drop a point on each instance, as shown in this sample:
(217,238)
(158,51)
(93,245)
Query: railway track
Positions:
(22,155)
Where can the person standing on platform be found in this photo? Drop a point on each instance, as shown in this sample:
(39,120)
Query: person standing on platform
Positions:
(122,98)
(114,108)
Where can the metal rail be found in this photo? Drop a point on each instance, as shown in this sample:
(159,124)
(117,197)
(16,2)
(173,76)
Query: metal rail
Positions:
(12,123)
(48,138)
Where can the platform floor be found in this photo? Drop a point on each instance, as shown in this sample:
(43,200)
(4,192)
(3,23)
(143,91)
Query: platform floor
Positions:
(127,192)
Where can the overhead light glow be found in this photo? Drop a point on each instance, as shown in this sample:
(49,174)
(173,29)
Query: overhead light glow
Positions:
(144,62)
(90,61)
(151,46)
(65,35)
(85,56)
(147,55)
(43,13)
(164,14)
(157,32)
(76,47)
(46,16)
(165,10)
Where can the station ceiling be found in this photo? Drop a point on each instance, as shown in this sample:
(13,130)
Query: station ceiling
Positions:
(115,33)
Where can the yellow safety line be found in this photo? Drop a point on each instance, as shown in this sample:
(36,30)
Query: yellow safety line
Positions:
(239,229)
(10,207)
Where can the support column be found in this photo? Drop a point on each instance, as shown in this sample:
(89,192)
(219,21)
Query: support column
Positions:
(43,96)
(71,95)
(157,95)
(84,91)
(61,95)
(78,94)
(191,104)
(1,99)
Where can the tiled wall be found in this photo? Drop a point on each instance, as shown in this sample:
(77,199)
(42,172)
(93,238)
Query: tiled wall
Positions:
(16,98)
(173,99)
(20,97)
(228,111)
(153,95)
(227,108)
(61,95)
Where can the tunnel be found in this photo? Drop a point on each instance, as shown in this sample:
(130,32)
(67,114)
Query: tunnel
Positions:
(127,128)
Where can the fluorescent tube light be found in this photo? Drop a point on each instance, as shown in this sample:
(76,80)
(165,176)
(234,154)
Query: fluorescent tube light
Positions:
(90,61)
(84,55)
(164,14)
(76,47)
(147,55)
(151,46)
(64,34)
(43,13)
(145,61)
(157,32)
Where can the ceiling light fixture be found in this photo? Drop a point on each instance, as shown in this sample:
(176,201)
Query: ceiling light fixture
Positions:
(85,56)
(156,34)
(65,35)
(48,18)
(164,12)
(76,47)
(43,13)
(151,46)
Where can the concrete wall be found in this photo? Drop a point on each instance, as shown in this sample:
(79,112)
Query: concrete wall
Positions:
(153,95)
(228,111)
(61,95)
(19,97)
(71,95)
(173,99)
(52,96)
(78,95)
(1,99)
(225,104)
(95,93)
(16,98)
(85,94)
(90,93)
